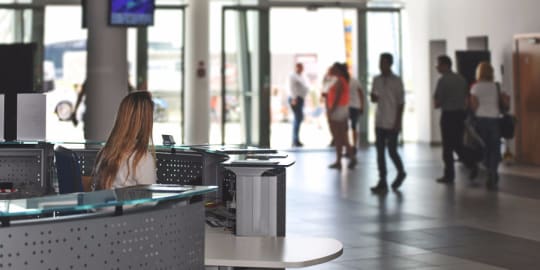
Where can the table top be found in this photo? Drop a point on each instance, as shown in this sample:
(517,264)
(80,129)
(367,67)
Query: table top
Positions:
(216,149)
(222,249)
(266,160)
(99,199)
(232,149)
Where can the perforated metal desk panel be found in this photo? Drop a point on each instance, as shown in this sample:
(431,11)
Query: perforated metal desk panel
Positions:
(181,167)
(163,233)
(28,166)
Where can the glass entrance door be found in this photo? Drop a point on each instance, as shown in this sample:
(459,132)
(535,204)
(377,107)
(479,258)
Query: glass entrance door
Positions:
(164,74)
(245,75)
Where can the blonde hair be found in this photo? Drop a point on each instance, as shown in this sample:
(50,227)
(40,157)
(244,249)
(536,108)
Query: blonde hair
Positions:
(130,136)
(484,72)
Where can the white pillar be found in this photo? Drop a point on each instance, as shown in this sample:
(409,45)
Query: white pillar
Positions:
(106,73)
(197,96)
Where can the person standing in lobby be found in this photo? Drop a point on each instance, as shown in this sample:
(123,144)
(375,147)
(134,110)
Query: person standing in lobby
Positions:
(389,95)
(451,97)
(298,90)
(337,102)
(487,101)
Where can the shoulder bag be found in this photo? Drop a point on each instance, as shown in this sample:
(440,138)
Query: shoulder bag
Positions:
(507,122)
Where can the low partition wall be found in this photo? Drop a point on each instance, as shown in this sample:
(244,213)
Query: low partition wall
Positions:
(168,235)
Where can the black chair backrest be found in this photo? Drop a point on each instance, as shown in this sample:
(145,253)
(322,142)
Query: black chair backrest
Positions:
(68,171)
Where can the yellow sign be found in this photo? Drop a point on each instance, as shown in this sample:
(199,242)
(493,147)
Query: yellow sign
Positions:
(348,34)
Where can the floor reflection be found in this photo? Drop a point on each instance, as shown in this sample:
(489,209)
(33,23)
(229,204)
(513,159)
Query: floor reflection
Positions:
(418,226)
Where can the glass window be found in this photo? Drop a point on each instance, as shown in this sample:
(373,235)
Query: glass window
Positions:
(383,36)
(64,70)
(231,70)
(7,26)
(165,61)
(316,38)
(28,18)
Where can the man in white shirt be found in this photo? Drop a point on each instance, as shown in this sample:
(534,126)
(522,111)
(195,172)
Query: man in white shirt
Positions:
(389,95)
(298,91)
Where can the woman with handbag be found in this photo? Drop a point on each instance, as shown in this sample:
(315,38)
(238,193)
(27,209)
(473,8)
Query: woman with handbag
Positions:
(487,102)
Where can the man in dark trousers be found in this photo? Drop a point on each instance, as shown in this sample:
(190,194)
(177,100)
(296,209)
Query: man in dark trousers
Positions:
(298,89)
(389,94)
(451,97)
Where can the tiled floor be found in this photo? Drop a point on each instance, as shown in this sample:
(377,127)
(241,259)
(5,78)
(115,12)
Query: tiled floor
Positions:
(426,225)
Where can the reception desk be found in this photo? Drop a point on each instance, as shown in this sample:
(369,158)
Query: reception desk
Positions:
(153,228)
(142,227)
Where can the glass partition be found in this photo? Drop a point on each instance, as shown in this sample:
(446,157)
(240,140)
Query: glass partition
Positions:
(99,199)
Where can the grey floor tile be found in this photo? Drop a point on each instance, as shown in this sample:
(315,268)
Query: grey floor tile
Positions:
(467,227)
(401,250)
(386,263)
(438,259)
(352,254)
(473,266)
(328,266)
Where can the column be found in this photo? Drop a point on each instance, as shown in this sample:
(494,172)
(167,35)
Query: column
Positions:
(263,80)
(197,95)
(106,73)
(362,62)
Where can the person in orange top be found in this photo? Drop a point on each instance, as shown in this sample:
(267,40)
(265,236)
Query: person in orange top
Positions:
(337,102)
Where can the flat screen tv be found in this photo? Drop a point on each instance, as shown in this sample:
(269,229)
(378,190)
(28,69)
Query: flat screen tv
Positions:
(131,12)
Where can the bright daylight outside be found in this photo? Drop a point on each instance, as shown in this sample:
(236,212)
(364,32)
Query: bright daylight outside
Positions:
(315,38)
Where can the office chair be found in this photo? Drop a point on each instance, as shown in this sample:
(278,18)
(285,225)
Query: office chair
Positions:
(68,171)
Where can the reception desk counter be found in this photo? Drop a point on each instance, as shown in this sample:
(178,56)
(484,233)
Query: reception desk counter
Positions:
(142,227)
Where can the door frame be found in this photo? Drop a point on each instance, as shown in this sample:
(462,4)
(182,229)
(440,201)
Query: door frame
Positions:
(263,78)
(534,38)
(264,84)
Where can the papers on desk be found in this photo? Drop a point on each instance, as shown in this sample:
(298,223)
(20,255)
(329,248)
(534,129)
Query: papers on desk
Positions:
(168,188)
(266,156)
(255,162)
(59,203)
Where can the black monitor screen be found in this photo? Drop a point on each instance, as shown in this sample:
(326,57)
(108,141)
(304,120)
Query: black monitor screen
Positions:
(131,12)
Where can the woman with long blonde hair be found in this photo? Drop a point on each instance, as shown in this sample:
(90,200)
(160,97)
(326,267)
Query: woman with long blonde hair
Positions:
(486,101)
(128,157)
